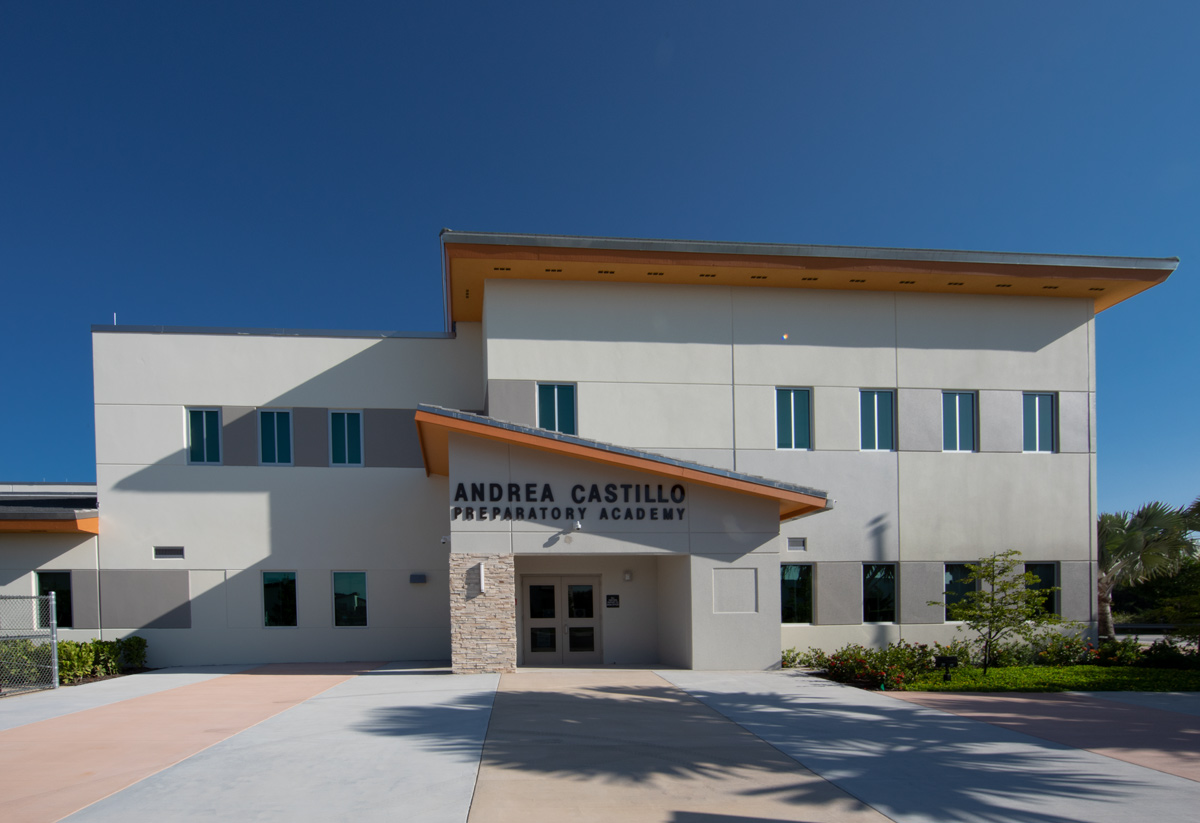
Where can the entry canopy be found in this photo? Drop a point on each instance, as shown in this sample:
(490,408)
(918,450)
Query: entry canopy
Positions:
(435,424)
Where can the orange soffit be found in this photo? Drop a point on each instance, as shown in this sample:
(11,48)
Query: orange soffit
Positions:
(87,525)
(434,427)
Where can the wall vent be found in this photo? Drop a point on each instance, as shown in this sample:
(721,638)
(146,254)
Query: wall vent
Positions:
(655,273)
(758,277)
(1096,288)
(955,284)
(554,270)
(605,271)
(708,275)
(797,544)
(168,552)
(1049,287)
(810,278)
(907,282)
(1004,285)
(501,268)
(858,281)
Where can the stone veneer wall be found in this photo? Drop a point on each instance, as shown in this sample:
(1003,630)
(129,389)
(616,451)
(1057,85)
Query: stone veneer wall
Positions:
(483,625)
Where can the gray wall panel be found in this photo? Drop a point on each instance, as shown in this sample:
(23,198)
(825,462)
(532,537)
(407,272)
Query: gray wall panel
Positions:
(239,430)
(919,418)
(920,583)
(1000,421)
(1077,597)
(310,436)
(512,401)
(1073,422)
(145,599)
(390,439)
(85,602)
(837,590)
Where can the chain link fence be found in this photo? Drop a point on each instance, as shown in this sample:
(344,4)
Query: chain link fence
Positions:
(28,643)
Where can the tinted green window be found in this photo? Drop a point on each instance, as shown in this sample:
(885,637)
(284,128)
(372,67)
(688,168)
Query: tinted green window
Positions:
(796,593)
(275,436)
(792,423)
(349,598)
(556,407)
(345,432)
(1047,575)
(60,584)
(279,598)
(879,593)
(958,421)
(875,410)
(204,436)
(1038,423)
(956,584)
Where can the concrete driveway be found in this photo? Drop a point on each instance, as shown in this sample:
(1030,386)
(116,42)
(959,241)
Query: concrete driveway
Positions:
(368,742)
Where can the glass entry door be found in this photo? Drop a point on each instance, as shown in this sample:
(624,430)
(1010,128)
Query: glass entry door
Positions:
(561,617)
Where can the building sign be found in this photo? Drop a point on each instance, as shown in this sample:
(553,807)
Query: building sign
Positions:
(612,601)
(610,501)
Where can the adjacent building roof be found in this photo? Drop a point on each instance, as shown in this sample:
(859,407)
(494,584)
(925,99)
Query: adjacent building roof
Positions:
(473,258)
(434,425)
(49,507)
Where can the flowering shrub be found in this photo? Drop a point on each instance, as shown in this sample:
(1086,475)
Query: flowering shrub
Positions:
(1056,649)
(1126,652)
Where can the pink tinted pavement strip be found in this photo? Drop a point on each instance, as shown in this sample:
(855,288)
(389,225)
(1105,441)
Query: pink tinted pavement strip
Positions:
(1155,739)
(54,767)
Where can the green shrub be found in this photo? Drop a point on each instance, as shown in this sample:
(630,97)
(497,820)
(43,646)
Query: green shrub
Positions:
(1057,649)
(959,647)
(19,660)
(812,659)
(106,658)
(1168,653)
(1060,679)
(1125,652)
(132,652)
(75,661)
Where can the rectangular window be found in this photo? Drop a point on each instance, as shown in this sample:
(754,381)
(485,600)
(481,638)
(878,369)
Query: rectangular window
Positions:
(792,419)
(275,438)
(1047,575)
(879,593)
(1039,423)
(556,407)
(60,584)
(204,435)
(877,419)
(958,421)
(349,598)
(345,438)
(956,584)
(796,593)
(279,598)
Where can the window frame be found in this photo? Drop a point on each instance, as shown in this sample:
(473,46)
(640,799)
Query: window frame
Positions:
(262,578)
(362,457)
(958,395)
(1052,604)
(895,594)
(291,438)
(187,434)
(892,423)
(67,603)
(557,427)
(1052,397)
(791,392)
(812,594)
(365,598)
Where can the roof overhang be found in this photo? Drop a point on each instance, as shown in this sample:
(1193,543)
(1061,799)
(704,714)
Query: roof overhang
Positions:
(470,259)
(66,522)
(435,425)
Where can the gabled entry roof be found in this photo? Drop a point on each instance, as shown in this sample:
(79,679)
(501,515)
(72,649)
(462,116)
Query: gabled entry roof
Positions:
(434,425)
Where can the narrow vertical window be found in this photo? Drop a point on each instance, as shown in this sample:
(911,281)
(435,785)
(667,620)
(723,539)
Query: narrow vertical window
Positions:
(1039,424)
(275,438)
(796,593)
(958,421)
(879,593)
(279,598)
(345,438)
(1047,581)
(556,407)
(956,585)
(877,420)
(793,419)
(349,598)
(204,435)
(60,584)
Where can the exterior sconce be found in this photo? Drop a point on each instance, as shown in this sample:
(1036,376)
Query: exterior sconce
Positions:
(482,578)
(628,576)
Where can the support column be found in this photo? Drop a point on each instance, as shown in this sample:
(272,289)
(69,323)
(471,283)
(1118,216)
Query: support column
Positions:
(483,619)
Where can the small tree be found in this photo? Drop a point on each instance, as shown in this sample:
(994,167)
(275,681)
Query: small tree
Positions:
(1002,605)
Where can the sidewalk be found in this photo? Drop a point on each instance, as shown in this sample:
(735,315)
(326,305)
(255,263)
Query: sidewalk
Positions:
(401,742)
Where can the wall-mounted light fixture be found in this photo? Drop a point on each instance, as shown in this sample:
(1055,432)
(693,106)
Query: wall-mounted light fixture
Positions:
(417,579)
(578,526)
(482,578)
(628,576)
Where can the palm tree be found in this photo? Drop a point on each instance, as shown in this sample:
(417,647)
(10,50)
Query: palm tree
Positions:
(1150,542)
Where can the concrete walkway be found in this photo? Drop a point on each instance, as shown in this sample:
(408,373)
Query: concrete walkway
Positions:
(403,742)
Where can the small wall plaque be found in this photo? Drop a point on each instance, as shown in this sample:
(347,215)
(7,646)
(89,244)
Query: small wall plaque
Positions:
(612,601)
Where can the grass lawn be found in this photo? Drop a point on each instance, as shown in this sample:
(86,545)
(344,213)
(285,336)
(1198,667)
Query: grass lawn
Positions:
(1060,679)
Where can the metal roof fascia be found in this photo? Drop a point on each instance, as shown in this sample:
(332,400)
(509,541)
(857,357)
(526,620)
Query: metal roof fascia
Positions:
(266,332)
(1168,264)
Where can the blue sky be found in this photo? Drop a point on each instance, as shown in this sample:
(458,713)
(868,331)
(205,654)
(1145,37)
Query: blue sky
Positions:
(290,165)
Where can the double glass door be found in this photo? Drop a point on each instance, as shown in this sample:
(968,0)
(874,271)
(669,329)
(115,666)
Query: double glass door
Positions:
(561,617)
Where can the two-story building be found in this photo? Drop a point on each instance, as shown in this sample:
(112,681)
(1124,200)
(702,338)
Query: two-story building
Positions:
(619,452)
